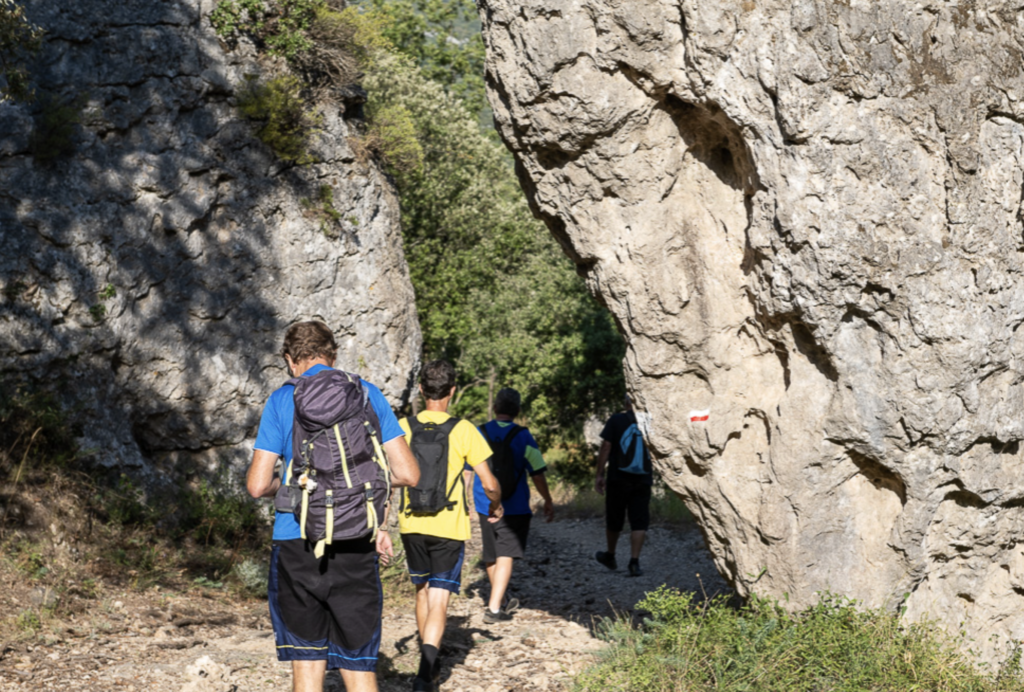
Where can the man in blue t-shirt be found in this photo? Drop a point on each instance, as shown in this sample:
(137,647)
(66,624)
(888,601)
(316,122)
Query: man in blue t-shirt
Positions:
(505,540)
(326,612)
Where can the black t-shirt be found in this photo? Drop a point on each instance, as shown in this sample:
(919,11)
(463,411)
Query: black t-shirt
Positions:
(613,431)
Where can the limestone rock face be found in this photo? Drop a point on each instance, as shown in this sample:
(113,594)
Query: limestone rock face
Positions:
(151,273)
(806,218)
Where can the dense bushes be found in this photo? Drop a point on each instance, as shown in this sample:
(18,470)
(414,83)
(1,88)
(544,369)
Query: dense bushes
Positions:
(685,645)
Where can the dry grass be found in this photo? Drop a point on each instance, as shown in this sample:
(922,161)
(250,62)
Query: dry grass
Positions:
(581,503)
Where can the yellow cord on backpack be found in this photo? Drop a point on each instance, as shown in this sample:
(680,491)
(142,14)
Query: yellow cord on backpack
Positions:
(371,513)
(344,458)
(380,457)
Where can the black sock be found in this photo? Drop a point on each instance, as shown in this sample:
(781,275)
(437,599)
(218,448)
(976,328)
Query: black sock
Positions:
(428,655)
(634,561)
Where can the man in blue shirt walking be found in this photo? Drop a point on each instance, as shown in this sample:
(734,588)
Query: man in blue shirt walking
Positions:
(505,540)
(326,612)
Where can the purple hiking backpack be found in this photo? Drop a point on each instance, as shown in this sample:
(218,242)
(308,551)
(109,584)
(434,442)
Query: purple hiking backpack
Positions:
(338,482)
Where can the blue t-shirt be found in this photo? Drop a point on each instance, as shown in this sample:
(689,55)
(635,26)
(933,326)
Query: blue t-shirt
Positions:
(529,462)
(275,436)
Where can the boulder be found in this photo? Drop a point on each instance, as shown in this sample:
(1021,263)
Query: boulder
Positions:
(806,219)
(150,271)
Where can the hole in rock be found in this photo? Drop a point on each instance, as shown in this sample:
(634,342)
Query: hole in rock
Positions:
(694,467)
(716,141)
(879,475)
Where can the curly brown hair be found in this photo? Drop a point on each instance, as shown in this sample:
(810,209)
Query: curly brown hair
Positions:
(309,340)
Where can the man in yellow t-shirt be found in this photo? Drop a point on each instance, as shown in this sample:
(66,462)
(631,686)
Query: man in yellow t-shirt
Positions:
(432,516)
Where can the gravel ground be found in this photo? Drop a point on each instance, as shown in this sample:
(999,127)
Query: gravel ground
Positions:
(204,641)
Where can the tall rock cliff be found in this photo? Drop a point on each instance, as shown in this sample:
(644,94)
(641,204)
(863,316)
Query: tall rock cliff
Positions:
(806,218)
(150,274)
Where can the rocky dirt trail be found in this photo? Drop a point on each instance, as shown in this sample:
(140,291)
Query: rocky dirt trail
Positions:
(204,641)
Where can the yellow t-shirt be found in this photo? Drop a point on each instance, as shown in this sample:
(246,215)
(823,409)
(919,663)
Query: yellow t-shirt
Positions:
(465,446)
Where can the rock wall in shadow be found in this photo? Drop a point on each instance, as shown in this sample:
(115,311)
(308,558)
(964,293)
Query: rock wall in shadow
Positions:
(150,274)
(806,219)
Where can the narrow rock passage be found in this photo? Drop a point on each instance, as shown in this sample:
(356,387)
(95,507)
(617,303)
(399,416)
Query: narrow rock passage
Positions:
(204,641)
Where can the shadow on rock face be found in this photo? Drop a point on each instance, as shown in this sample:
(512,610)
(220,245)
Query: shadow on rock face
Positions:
(149,274)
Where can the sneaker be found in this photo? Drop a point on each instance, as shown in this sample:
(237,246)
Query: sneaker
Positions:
(510,605)
(494,618)
(421,685)
(606,559)
(634,569)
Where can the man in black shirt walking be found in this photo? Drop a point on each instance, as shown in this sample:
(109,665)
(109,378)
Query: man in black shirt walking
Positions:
(627,489)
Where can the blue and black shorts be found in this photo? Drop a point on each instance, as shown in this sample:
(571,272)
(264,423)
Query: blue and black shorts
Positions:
(327,608)
(434,561)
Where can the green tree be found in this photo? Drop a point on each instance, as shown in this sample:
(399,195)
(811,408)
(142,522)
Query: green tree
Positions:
(443,38)
(494,292)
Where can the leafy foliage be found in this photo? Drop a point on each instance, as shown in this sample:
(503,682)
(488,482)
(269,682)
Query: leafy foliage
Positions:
(20,40)
(391,135)
(442,37)
(685,645)
(495,294)
(280,25)
(287,119)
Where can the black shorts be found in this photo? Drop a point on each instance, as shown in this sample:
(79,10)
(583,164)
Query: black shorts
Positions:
(505,538)
(627,497)
(328,608)
(434,561)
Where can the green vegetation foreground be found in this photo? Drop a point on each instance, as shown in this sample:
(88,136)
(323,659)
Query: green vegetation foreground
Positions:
(689,645)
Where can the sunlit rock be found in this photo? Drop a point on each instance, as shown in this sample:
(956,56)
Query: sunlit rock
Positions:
(805,217)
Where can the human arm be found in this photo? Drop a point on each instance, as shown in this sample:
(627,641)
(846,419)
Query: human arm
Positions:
(492,490)
(540,482)
(467,481)
(260,480)
(602,461)
(404,469)
(384,545)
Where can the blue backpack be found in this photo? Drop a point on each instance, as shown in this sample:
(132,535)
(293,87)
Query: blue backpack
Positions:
(631,448)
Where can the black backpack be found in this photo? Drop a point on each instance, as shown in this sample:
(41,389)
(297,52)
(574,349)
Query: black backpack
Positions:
(430,447)
(503,461)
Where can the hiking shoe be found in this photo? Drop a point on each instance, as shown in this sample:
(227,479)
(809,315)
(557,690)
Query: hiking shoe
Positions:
(606,559)
(494,618)
(510,604)
(421,685)
(634,569)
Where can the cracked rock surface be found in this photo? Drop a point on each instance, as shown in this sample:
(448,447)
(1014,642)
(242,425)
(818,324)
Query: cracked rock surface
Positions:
(806,219)
(151,273)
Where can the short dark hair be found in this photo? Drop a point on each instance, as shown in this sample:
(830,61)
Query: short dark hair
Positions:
(309,340)
(507,402)
(437,379)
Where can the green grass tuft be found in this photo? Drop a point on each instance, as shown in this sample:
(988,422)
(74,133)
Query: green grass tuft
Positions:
(287,121)
(835,646)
